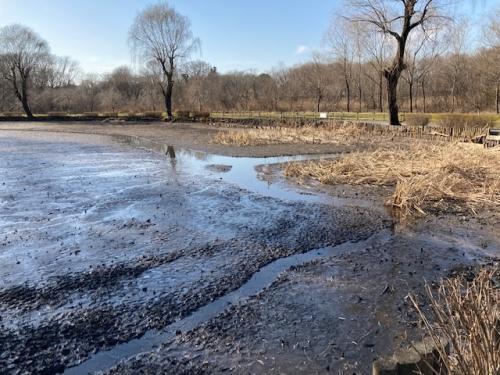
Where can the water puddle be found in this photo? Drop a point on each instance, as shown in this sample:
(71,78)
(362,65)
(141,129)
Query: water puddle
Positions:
(258,282)
(242,172)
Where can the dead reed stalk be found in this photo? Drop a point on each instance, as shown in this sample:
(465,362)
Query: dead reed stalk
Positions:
(466,315)
(330,134)
(425,176)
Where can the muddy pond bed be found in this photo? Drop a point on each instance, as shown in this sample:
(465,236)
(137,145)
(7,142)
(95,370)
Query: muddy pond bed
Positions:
(117,259)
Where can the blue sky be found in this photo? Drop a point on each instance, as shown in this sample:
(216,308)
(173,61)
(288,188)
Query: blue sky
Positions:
(235,34)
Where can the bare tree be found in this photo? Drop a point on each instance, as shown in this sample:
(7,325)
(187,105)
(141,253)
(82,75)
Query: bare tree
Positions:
(422,51)
(341,38)
(197,68)
(162,36)
(22,53)
(110,98)
(314,79)
(90,91)
(457,44)
(374,45)
(396,19)
(62,72)
(492,56)
(283,78)
(196,85)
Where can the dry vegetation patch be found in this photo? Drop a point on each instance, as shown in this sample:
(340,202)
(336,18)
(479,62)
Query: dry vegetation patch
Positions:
(425,176)
(465,314)
(331,134)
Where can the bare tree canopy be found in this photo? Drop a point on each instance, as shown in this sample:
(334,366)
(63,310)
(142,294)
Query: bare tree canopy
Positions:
(22,54)
(63,72)
(491,55)
(492,31)
(162,36)
(440,72)
(396,19)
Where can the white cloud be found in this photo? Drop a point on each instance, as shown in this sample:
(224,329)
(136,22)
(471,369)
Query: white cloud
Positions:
(301,49)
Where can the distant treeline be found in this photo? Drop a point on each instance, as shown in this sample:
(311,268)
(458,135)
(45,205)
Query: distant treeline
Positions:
(454,83)
(439,75)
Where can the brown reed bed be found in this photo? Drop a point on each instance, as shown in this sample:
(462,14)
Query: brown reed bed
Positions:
(336,133)
(425,176)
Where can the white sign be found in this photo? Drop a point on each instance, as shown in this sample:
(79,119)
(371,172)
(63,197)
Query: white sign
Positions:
(323,115)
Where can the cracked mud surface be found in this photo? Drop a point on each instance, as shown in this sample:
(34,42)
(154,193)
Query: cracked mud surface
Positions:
(101,242)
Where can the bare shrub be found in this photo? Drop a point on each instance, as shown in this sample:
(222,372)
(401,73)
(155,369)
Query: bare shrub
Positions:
(465,314)
(417,119)
(463,120)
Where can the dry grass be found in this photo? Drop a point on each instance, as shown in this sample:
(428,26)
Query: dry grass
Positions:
(331,134)
(425,176)
(467,316)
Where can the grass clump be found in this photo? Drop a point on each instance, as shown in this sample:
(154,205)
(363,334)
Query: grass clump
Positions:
(331,134)
(466,315)
(425,177)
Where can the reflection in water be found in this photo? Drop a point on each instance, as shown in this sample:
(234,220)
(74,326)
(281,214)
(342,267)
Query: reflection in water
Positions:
(173,161)
(242,172)
(171,152)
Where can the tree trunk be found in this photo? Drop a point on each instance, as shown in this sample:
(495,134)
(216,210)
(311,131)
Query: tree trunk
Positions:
(360,93)
(167,91)
(26,108)
(392,103)
(423,96)
(380,92)
(497,98)
(348,93)
(168,97)
(453,97)
(410,87)
(22,94)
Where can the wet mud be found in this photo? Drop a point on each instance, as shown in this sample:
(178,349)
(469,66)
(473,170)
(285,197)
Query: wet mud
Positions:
(117,259)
